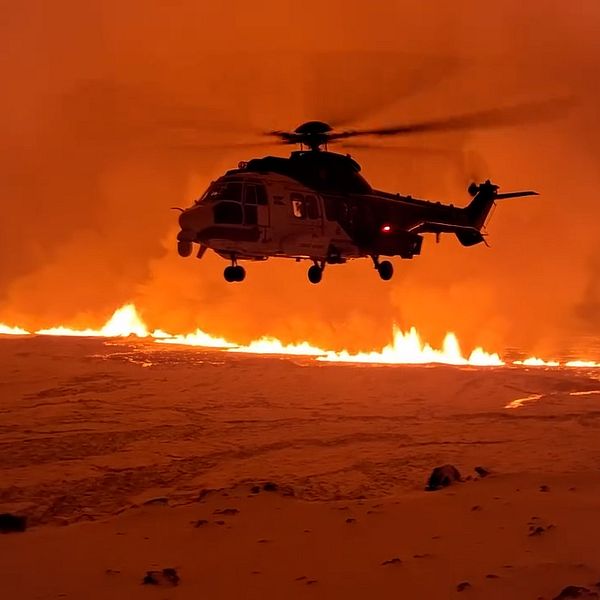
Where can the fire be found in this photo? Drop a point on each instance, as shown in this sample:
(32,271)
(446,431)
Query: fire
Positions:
(271,345)
(6,330)
(536,362)
(198,338)
(405,348)
(124,322)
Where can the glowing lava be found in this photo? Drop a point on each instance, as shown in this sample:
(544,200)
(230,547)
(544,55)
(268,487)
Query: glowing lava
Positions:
(199,338)
(407,348)
(6,330)
(271,345)
(124,322)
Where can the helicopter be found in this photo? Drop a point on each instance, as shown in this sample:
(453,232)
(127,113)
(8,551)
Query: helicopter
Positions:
(315,205)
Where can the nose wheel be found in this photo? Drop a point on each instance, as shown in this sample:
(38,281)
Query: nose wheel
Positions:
(234,273)
(384,268)
(184,248)
(315,273)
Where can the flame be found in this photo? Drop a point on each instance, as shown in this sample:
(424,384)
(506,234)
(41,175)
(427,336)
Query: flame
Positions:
(406,347)
(6,330)
(537,362)
(271,345)
(198,338)
(124,322)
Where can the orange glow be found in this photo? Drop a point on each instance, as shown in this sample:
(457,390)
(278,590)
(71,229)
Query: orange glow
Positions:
(405,348)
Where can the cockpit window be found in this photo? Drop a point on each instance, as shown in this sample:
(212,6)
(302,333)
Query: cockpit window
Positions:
(229,190)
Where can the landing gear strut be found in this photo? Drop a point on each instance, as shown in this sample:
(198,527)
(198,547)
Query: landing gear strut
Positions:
(315,273)
(234,272)
(384,268)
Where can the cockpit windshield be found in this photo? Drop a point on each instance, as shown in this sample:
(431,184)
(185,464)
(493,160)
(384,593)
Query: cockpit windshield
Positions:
(222,190)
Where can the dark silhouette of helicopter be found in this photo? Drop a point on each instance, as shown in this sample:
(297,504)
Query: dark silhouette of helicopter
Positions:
(316,205)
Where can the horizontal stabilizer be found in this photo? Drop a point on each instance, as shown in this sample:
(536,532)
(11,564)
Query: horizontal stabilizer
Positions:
(515,195)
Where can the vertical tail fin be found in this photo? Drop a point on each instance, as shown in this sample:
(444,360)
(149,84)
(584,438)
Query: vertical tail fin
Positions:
(484,196)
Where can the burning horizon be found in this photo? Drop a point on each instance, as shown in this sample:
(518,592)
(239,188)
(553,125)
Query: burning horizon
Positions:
(406,347)
(98,143)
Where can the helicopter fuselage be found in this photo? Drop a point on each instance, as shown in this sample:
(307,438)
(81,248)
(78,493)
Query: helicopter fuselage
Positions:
(318,208)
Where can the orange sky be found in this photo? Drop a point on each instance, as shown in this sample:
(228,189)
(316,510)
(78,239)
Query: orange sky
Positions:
(92,161)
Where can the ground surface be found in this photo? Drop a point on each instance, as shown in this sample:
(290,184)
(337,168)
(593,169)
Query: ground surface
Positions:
(91,431)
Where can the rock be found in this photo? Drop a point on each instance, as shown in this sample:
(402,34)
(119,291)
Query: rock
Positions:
(350,520)
(463,585)
(536,530)
(492,576)
(269,486)
(576,591)
(10,523)
(226,511)
(482,471)
(200,522)
(159,500)
(167,576)
(255,489)
(391,561)
(544,488)
(442,477)
(476,508)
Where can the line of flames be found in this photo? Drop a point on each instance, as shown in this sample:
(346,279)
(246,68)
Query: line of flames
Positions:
(405,348)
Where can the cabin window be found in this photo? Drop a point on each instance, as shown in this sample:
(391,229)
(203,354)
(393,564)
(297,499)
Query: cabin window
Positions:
(261,195)
(250,214)
(311,207)
(298,207)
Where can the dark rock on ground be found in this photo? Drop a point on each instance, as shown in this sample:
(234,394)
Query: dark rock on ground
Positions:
(226,511)
(255,489)
(200,522)
(482,471)
(576,591)
(463,585)
(10,523)
(167,576)
(269,486)
(350,520)
(391,561)
(442,477)
(544,488)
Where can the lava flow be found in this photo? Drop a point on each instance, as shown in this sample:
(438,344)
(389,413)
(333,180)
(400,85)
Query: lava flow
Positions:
(406,347)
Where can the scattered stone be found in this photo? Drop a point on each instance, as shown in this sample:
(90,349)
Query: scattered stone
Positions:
(254,572)
(539,530)
(269,486)
(492,576)
(482,471)
(308,531)
(301,578)
(220,522)
(263,541)
(226,511)
(112,572)
(463,585)
(200,522)
(255,489)
(391,561)
(167,576)
(311,581)
(572,489)
(350,520)
(442,477)
(476,508)
(10,523)
(426,555)
(544,488)
(158,501)
(576,591)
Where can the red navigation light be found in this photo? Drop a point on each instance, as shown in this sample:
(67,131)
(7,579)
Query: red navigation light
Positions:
(386,228)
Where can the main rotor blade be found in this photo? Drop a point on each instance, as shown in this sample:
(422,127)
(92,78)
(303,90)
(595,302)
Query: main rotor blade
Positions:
(497,117)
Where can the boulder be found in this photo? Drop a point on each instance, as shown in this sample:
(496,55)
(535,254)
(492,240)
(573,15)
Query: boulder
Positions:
(442,477)
(10,523)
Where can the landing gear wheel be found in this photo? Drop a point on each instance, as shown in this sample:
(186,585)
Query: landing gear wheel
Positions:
(315,274)
(184,248)
(234,273)
(385,270)
(240,273)
(230,274)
